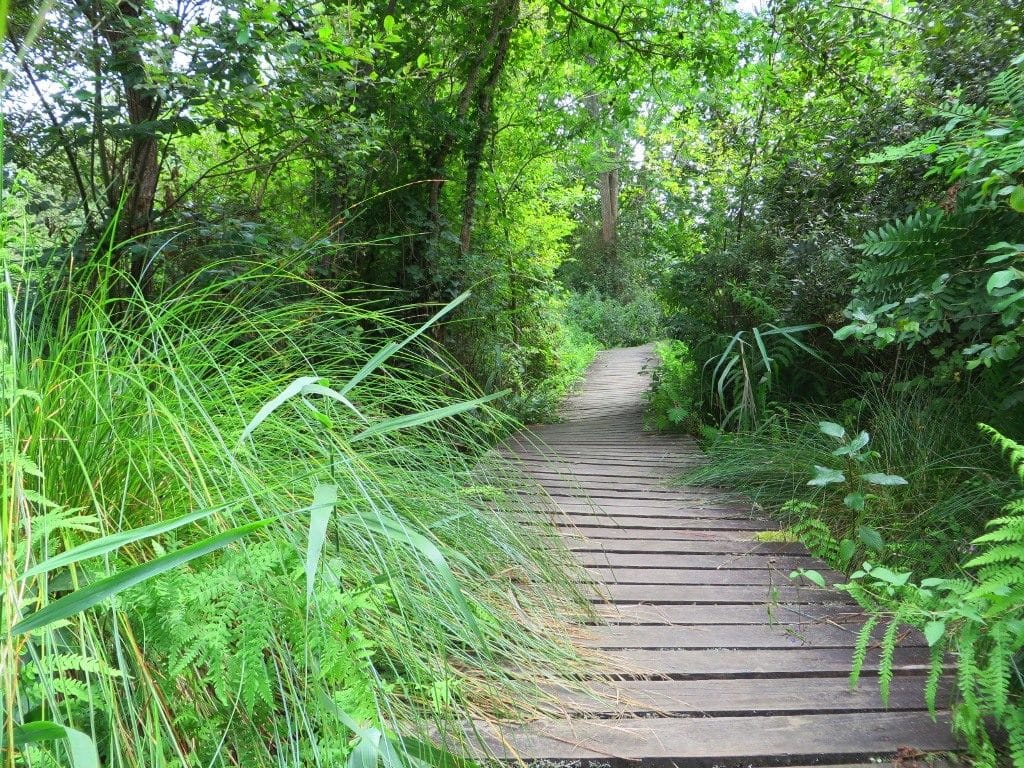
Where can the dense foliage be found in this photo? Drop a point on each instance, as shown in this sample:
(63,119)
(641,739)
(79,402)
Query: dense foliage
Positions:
(849,309)
(227,229)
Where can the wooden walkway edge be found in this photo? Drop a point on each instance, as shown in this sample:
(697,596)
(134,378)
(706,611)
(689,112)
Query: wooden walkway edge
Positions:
(712,656)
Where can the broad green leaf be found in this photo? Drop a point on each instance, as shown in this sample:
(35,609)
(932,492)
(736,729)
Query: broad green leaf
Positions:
(811,575)
(855,501)
(81,749)
(114,541)
(98,591)
(1001,279)
(825,475)
(325,499)
(853,446)
(871,538)
(882,573)
(847,549)
(424,417)
(880,478)
(832,429)
(933,631)
(1016,199)
(422,60)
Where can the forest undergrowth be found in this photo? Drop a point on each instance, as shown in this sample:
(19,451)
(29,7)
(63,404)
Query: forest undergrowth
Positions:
(361,581)
(885,429)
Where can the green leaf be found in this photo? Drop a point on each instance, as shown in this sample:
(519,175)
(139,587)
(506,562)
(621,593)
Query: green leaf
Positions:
(1001,279)
(889,577)
(811,575)
(98,591)
(325,499)
(855,501)
(114,541)
(81,748)
(871,538)
(424,417)
(389,24)
(847,549)
(832,429)
(844,333)
(853,446)
(422,60)
(396,531)
(1016,199)
(390,349)
(880,478)
(825,475)
(933,631)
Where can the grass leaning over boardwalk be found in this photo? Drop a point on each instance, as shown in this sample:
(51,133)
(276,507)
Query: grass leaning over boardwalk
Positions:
(955,483)
(427,603)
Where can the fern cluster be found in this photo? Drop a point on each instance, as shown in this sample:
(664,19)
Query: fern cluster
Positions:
(948,277)
(978,618)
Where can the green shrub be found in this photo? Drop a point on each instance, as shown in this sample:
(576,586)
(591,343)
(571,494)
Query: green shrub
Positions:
(675,390)
(978,616)
(613,322)
(953,489)
(119,412)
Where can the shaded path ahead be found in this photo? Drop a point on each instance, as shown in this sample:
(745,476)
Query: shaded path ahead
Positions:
(713,657)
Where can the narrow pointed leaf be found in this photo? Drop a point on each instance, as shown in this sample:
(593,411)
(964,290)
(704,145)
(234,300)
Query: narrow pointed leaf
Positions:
(98,591)
(390,349)
(325,499)
(284,396)
(114,541)
(424,417)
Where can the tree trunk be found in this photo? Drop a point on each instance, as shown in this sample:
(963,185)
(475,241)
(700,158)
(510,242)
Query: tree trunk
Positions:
(137,193)
(508,13)
(608,189)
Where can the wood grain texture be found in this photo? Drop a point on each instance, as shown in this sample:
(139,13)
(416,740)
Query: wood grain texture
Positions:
(709,655)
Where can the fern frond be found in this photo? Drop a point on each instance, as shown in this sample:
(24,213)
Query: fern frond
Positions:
(1007,88)
(888,652)
(860,650)
(1014,451)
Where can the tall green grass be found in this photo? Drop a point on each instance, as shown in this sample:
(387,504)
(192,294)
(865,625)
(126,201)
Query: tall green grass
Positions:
(402,601)
(954,488)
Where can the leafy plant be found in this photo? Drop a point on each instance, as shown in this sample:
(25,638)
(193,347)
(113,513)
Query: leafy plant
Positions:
(947,276)
(674,398)
(141,435)
(979,617)
(746,370)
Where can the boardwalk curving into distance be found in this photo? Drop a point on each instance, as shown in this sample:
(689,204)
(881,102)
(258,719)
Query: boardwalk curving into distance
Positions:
(711,656)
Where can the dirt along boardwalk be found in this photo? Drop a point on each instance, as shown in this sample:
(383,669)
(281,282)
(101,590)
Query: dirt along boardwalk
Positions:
(714,657)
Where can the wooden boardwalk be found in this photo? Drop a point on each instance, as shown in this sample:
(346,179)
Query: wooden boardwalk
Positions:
(712,656)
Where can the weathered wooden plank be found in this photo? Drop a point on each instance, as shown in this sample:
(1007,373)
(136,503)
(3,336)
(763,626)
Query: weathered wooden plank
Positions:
(610,536)
(676,594)
(678,546)
(751,613)
(724,741)
(772,662)
(657,561)
(797,635)
(765,577)
(626,522)
(742,696)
